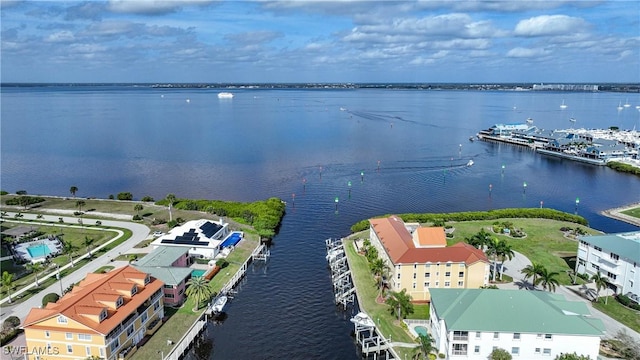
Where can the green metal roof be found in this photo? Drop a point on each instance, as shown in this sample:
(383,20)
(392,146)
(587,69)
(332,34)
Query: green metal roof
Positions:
(625,245)
(514,311)
(168,275)
(162,256)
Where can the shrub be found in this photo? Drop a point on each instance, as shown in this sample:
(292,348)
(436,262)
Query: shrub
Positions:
(125,196)
(442,356)
(111,197)
(21,192)
(51,297)
(11,322)
(623,299)
(147,199)
(222,263)
(2,192)
(171,224)
(137,217)
(24,200)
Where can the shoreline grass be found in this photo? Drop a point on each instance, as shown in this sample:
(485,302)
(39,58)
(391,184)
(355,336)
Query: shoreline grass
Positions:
(619,312)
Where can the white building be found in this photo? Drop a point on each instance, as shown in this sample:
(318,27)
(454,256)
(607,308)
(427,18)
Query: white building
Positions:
(615,256)
(202,237)
(471,323)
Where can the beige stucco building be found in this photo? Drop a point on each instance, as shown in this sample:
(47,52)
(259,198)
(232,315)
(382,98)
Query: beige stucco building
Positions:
(419,258)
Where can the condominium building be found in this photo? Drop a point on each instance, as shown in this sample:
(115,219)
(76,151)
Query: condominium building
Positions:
(614,256)
(471,323)
(419,259)
(170,264)
(105,315)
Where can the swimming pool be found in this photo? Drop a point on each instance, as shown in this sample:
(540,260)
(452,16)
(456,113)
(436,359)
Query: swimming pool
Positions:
(232,240)
(420,330)
(198,273)
(38,251)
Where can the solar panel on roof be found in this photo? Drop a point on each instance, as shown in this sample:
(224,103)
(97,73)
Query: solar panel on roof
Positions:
(209,229)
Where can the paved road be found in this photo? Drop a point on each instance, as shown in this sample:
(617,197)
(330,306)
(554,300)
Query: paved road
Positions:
(139,233)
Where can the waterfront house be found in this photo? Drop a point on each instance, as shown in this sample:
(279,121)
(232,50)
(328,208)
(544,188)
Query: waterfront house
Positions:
(170,264)
(614,256)
(201,237)
(105,315)
(419,259)
(470,323)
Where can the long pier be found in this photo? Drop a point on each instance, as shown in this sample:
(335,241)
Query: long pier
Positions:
(343,288)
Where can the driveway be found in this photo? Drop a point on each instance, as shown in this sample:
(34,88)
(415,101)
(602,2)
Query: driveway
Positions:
(139,232)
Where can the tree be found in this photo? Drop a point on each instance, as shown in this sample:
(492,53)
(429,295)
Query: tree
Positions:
(138,208)
(198,289)
(601,282)
(35,268)
(80,204)
(87,242)
(504,251)
(125,196)
(426,345)
(171,199)
(573,356)
(73,190)
(532,271)
(69,248)
(500,354)
(479,240)
(7,283)
(400,304)
(11,323)
(51,297)
(492,252)
(548,279)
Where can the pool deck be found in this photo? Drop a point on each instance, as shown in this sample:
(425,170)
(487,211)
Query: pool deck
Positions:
(53,246)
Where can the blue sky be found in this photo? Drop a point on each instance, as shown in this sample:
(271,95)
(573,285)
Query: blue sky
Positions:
(320,41)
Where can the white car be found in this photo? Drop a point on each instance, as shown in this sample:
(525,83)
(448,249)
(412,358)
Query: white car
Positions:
(158,233)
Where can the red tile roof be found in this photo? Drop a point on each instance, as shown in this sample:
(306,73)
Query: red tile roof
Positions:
(87,298)
(398,244)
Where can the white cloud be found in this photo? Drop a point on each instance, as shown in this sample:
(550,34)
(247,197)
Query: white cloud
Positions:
(546,25)
(152,7)
(520,52)
(60,36)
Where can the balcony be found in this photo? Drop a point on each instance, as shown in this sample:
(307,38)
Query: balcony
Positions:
(128,352)
(460,337)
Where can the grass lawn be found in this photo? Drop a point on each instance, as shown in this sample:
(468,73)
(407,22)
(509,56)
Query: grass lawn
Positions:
(635,212)
(623,314)
(180,320)
(544,243)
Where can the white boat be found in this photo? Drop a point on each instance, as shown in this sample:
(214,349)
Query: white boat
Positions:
(333,254)
(225,95)
(362,319)
(620,106)
(529,121)
(627,104)
(563,105)
(343,109)
(572,120)
(470,163)
(219,304)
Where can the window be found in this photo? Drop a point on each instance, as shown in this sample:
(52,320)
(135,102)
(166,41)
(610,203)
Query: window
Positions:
(69,349)
(47,334)
(597,248)
(537,351)
(414,285)
(415,266)
(167,286)
(460,283)
(144,317)
(426,266)
(101,352)
(447,284)
(611,276)
(515,350)
(398,276)
(427,274)
(437,273)
(129,330)
(547,336)
(62,319)
(447,274)
(595,266)
(147,279)
(476,350)
(546,351)
(461,274)
(462,265)
(103,314)
(169,296)
(496,335)
(415,275)
(156,305)
(615,256)
(427,284)
(459,349)
(84,337)
(448,264)
(539,336)
(478,334)
(134,290)
(437,283)
(516,336)
(114,345)
(88,350)
(68,336)
(181,291)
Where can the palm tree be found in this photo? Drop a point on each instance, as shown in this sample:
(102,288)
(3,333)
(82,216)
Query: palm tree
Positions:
(35,268)
(600,282)
(198,288)
(171,199)
(532,271)
(547,279)
(426,345)
(80,204)
(7,282)
(492,252)
(73,190)
(504,252)
(400,304)
(69,248)
(138,208)
(479,240)
(87,242)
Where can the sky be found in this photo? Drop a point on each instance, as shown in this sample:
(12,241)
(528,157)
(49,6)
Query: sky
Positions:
(428,41)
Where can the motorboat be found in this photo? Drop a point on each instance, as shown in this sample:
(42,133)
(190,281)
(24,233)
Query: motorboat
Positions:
(225,95)
(627,104)
(362,319)
(333,254)
(470,163)
(563,105)
(529,121)
(219,304)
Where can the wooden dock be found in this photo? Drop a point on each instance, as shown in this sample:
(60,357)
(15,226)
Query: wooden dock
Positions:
(343,288)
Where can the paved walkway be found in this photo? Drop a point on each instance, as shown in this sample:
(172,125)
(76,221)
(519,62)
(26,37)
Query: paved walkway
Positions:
(139,232)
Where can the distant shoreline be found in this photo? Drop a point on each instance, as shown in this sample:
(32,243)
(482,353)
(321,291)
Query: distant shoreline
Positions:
(616,213)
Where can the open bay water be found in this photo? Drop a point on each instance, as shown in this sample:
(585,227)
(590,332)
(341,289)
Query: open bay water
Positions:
(311,143)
